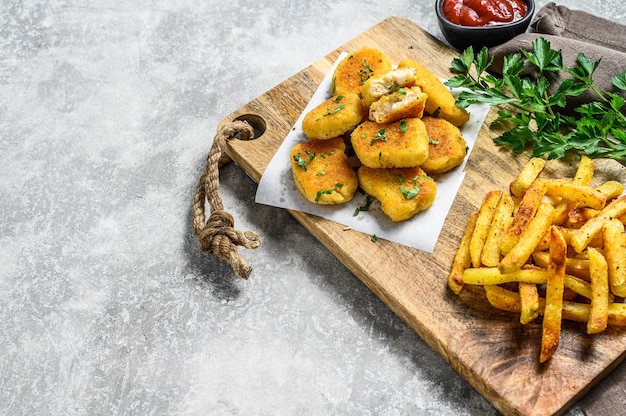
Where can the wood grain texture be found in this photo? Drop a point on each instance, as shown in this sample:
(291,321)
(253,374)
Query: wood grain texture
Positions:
(489,348)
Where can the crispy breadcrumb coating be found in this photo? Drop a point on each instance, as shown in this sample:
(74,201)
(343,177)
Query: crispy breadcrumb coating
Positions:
(356,68)
(321,171)
(402,192)
(401,144)
(447,147)
(334,117)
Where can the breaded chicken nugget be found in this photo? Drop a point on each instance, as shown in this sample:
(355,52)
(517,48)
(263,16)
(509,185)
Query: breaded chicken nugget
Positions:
(356,68)
(402,103)
(447,147)
(385,83)
(440,100)
(321,171)
(334,117)
(396,145)
(402,192)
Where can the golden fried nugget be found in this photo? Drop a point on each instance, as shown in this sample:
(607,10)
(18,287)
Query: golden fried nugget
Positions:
(356,68)
(402,103)
(446,148)
(402,192)
(334,117)
(386,83)
(440,100)
(321,171)
(401,144)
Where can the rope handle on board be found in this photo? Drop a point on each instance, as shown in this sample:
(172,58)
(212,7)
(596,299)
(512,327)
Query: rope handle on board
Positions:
(217,235)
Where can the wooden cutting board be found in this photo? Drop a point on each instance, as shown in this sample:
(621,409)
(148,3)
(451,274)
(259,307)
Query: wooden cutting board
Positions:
(490,349)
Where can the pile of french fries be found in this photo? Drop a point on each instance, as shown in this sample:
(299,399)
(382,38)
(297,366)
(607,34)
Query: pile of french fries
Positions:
(554,248)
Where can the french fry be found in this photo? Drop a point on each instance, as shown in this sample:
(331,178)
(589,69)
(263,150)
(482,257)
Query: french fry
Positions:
(492,276)
(529,302)
(462,257)
(579,312)
(583,177)
(577,217)
(615,254)
(581,195)
(578,267)
(578,285)
(503,299)
(599,308)
(521,252)
(483,223)
(551,328)
(562,211)
(526,210)
(617,314)
(566,235)
(582,236)
(585,171)
(490,255)
(612,189)
(527,175)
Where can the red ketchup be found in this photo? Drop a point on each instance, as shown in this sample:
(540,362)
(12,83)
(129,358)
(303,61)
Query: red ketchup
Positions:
(483,12)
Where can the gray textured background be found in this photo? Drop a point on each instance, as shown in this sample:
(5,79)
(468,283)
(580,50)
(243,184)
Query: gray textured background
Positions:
(107,111)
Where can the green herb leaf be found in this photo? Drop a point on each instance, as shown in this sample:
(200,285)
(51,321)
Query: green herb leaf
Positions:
(379,136)
(409,193)
(364,208)
(620,81)
(530,108)
(327,191)
(300,161)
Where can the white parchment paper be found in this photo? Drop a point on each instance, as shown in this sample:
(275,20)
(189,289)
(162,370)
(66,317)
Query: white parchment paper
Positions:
(278,189)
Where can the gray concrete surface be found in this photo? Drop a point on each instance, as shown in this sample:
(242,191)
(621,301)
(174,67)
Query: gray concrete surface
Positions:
(107,111)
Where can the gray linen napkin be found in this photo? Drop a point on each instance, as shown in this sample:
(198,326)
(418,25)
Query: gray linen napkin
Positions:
(574,31)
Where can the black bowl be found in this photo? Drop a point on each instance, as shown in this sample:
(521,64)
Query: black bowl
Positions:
(460,37)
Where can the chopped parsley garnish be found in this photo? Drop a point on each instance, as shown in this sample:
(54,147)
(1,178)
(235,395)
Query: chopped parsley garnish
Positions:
(366,72)
(330,110)
(433,141)
(400,90)
(436,112)
(379,136)
(328,191)
(300,161)
(408,193)
(403,126)
(374,238)
(364,208)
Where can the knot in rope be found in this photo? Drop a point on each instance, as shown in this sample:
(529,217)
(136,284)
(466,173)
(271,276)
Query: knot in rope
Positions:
(217,235)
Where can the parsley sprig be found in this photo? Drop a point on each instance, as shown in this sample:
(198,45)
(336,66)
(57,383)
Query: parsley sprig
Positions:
(532,112)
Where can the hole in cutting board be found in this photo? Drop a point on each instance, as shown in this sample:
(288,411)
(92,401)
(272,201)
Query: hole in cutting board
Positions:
(257,123)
